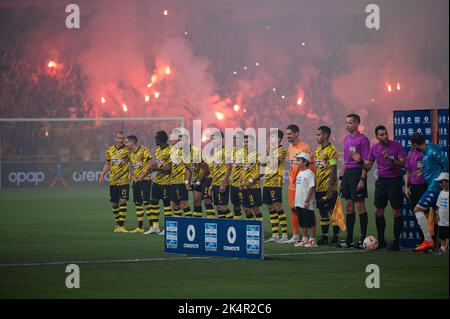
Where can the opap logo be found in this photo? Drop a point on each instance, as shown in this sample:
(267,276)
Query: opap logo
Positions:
(26,177)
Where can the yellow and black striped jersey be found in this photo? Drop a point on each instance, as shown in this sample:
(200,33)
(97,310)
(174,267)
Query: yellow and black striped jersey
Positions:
(236,170)
(194,165)
(119,160)
(218,166)
(324,159)
(250,168)
(162,159)
(140,161)
(178,168)
(205,160)
(208,174)
(273,175)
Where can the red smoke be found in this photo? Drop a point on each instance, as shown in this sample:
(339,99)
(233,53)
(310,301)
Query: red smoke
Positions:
(200,60)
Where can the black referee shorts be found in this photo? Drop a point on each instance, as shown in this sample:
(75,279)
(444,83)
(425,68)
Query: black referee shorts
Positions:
(178,193)
(141,191)
(236,196)
(118,192)
(252,197)
(272,195)
(160,192)
(388,189)
(349,185)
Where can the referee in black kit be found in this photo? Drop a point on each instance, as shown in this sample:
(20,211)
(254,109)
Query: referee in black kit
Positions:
(353,182)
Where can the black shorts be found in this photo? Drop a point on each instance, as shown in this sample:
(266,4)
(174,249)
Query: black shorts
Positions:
(178,193)
(204,188)
(236,196)
(160,192)
(306,217)
(325,204)
(417,190)
(272,195)
(388,189)
(196,188)
(252,197)
(221,198)
(118,192)
(141,191)
(350,183)
(443,232)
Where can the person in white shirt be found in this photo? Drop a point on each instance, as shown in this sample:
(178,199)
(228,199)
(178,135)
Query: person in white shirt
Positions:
(304,202)
(442,211)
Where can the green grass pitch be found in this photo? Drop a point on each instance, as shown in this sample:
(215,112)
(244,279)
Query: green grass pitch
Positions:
(46,226)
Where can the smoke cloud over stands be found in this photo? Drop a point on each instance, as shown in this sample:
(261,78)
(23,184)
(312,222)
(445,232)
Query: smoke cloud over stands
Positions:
(281,62)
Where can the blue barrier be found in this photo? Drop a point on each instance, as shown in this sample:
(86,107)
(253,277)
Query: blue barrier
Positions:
(231,238)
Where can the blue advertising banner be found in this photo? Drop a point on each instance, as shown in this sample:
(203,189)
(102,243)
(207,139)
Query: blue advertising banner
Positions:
(405,124)
(214,237)
(443,139)
(17,175)
(408,122)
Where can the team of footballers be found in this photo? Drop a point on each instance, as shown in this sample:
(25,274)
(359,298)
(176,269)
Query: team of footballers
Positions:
(216,179)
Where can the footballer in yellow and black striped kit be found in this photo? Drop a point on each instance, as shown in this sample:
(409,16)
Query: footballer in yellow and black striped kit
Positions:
(181,151)
(326,160)
(140,161)
(273,187)
(117,162)
(236,195)
(193,179)
(220,172)
(202,187)
(162,165)
(250,180)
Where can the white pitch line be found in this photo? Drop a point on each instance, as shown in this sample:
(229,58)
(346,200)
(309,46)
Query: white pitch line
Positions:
(100,261)
(110,261)
(319,253)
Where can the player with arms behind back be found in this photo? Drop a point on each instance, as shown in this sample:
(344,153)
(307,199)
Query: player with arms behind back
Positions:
(326,183)
(249,183)
(236,195)
(179,192)
(161,183)
(140,161)
(117,162)
(273,187)
(220,173)
(192,181)
(296,146)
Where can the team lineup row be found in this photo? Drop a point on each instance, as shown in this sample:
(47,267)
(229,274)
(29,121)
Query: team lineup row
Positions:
(313,181)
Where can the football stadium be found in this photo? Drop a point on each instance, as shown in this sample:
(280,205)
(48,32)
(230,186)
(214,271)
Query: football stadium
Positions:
(221,150)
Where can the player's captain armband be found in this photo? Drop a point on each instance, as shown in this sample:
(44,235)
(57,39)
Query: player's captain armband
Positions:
(333,161)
